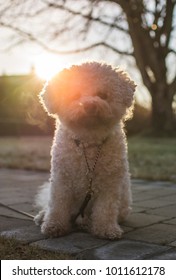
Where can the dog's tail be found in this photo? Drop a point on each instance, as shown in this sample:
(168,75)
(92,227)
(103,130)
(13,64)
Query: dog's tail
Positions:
(42,197)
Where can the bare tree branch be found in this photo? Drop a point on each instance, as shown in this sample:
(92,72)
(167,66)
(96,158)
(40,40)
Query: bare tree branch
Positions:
(167,23)
(88,16)
(45,46)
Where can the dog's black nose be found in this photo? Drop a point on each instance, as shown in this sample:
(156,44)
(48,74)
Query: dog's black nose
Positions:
(90,107)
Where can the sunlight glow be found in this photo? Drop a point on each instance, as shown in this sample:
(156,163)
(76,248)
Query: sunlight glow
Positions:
(154,27)
(46,66)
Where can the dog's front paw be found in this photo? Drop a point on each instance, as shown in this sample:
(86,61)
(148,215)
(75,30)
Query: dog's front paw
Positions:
(124,213)
(110,232)
(38,219)
(52,229)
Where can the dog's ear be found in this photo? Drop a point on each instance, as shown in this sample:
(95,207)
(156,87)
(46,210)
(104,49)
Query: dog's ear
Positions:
(129,94)
(126,87)
(54,91)
(49,99)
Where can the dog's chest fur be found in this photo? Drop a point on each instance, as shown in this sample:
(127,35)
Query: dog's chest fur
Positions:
(69,161)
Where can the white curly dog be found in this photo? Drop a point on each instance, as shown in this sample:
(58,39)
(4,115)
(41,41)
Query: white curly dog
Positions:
(90,182)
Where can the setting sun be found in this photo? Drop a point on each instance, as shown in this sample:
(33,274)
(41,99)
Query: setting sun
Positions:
(46,66)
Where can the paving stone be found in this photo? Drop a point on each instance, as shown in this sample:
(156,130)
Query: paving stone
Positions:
(136,209)
(156,203)
(26,207)
(137,220)
(173,244)
(154,194)
(136,182)
(9,213)
(122,250)
(126,228)
(71,244)
(18,189)
(158,233)
(169,198)
(15,199)
(7,223)
(162,184)
(142,196)
(25,234)
(152,186)
(145,187)
(22,175)
(166,255)
(21,180)
(170,221)
(164,191)
(166,211)
(153,220)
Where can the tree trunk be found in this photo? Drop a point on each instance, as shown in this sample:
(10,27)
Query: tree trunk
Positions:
(163,122)
(150,55)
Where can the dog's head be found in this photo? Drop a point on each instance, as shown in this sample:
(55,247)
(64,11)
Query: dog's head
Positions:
(89,95)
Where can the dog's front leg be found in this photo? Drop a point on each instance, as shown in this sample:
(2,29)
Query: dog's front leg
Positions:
(57,220)
(104,217)
(126,200)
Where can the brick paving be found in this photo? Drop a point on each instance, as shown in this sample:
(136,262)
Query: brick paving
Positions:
(150,231)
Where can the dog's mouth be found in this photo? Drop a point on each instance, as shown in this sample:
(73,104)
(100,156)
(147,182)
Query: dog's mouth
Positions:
(89,114)
(95,107)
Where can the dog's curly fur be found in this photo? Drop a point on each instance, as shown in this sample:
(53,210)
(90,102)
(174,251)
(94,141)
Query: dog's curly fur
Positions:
(90,103)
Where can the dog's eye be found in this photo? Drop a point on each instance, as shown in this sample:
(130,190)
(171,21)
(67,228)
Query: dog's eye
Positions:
(102,95)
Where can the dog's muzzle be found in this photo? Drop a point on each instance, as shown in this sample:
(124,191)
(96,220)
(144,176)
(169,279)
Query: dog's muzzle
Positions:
(91,107)
(96,107)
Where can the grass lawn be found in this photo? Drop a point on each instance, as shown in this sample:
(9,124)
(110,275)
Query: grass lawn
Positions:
(153,158)
(150,158)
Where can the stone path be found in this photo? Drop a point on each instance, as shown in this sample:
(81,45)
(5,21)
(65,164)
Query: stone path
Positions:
(150,231)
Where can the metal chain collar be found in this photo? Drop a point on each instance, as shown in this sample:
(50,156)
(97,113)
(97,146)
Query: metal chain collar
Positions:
(89,175)
(90,171)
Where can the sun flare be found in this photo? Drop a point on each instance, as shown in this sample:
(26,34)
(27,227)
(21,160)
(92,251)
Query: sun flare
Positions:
(47,66)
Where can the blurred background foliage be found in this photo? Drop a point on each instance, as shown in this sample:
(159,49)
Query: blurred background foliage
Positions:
(22,114)
(20,110)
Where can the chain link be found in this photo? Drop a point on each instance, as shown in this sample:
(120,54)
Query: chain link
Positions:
(90,171)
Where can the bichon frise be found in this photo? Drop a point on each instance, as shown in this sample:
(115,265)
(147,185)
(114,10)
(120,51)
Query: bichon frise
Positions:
(90,183)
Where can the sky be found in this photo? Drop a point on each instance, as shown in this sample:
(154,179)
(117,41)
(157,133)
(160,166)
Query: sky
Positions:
(21,59)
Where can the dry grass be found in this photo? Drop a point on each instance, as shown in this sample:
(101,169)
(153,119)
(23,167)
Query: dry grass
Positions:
(10,249)
(150,158)
(25,152)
